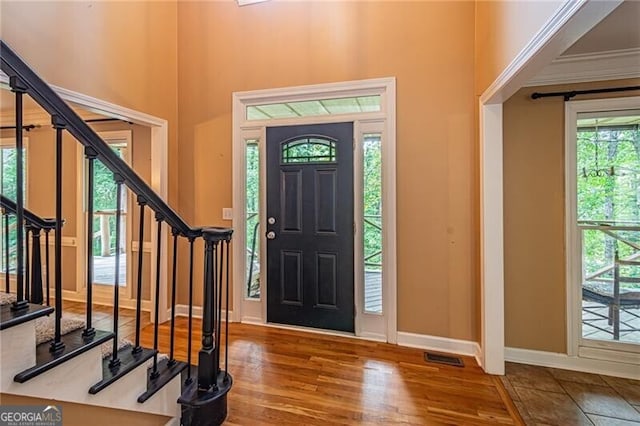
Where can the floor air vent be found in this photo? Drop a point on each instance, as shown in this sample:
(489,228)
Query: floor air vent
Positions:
(443,359)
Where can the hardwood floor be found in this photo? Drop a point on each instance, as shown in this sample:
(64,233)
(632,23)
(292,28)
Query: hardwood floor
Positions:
(291,377)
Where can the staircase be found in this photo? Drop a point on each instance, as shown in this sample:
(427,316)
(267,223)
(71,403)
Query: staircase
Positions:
(70,367)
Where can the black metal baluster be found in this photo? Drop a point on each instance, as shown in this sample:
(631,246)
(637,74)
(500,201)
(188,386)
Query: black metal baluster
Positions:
(190,333)
(219,319)
(56,344)
(89,332)
(115,361)
(27,264)
(226,324)
(7,258)
(142,203)
(154,372)
(216,347)
(46,255)
(36,267)
(19,88)
(175,233)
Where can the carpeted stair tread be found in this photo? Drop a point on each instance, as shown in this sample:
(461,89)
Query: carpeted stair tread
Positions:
(45,326)
(6,298)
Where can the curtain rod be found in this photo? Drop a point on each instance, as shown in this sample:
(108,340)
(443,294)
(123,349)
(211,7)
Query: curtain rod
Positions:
(103,120)
(27,127)
(37,126)
(568,95)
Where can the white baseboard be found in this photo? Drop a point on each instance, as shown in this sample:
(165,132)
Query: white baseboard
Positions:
(566,362)
(440,344)
(124,302)
(183,311)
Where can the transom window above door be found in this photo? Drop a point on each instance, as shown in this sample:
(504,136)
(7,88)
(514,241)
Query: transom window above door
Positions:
(350,105)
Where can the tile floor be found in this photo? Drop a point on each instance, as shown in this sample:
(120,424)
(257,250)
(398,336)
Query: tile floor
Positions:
(549,396)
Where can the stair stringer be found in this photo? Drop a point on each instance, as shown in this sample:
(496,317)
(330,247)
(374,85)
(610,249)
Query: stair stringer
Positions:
(71,380)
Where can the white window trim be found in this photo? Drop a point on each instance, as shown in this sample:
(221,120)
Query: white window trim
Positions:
(576,345)
(367,325)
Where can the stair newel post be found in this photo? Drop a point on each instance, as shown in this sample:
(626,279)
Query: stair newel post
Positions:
(36,267)
(59,125)
(46,260)
(206,356)
(175,234)
(154,373)
(27,264)
(89,332)
(19,89)
(7,258)
(115,361)
(142,203)
(205,402)
(190,332)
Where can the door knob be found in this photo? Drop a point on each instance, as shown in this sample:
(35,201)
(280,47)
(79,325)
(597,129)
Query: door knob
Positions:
(271,235)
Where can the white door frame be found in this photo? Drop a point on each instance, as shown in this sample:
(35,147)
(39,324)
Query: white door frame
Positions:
(159,175)
(370,326)
(576,345)
(571,20)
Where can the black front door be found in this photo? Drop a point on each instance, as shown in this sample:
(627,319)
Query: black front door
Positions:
(310,225)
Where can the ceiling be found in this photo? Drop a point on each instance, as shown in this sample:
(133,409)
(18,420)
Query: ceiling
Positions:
(619,30)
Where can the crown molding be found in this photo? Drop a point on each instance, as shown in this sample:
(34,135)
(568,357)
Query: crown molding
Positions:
(610,65)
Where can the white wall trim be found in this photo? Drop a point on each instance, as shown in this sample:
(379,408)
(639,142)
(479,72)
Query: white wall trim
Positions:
(611,65)
(159,163)
(440,344)
(570,22)
(124,302)
(566,362)
(183,311)
(492,241)
(573,274)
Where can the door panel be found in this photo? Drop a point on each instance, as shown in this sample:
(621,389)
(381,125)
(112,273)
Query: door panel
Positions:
(310,197)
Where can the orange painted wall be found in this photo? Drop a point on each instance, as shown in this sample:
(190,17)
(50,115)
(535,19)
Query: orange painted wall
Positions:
(502,30)
(427,46)
(121,52)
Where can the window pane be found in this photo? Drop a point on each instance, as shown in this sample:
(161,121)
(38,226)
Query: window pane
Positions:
(8,177)
(252,220)
(309,150)
(352,105)
(372,209)
(104,225)
(608,214)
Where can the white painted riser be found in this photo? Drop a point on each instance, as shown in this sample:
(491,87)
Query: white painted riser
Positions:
(71,380)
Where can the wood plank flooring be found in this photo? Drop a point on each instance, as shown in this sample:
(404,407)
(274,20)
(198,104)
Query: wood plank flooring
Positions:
(291,377)
(287,377)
